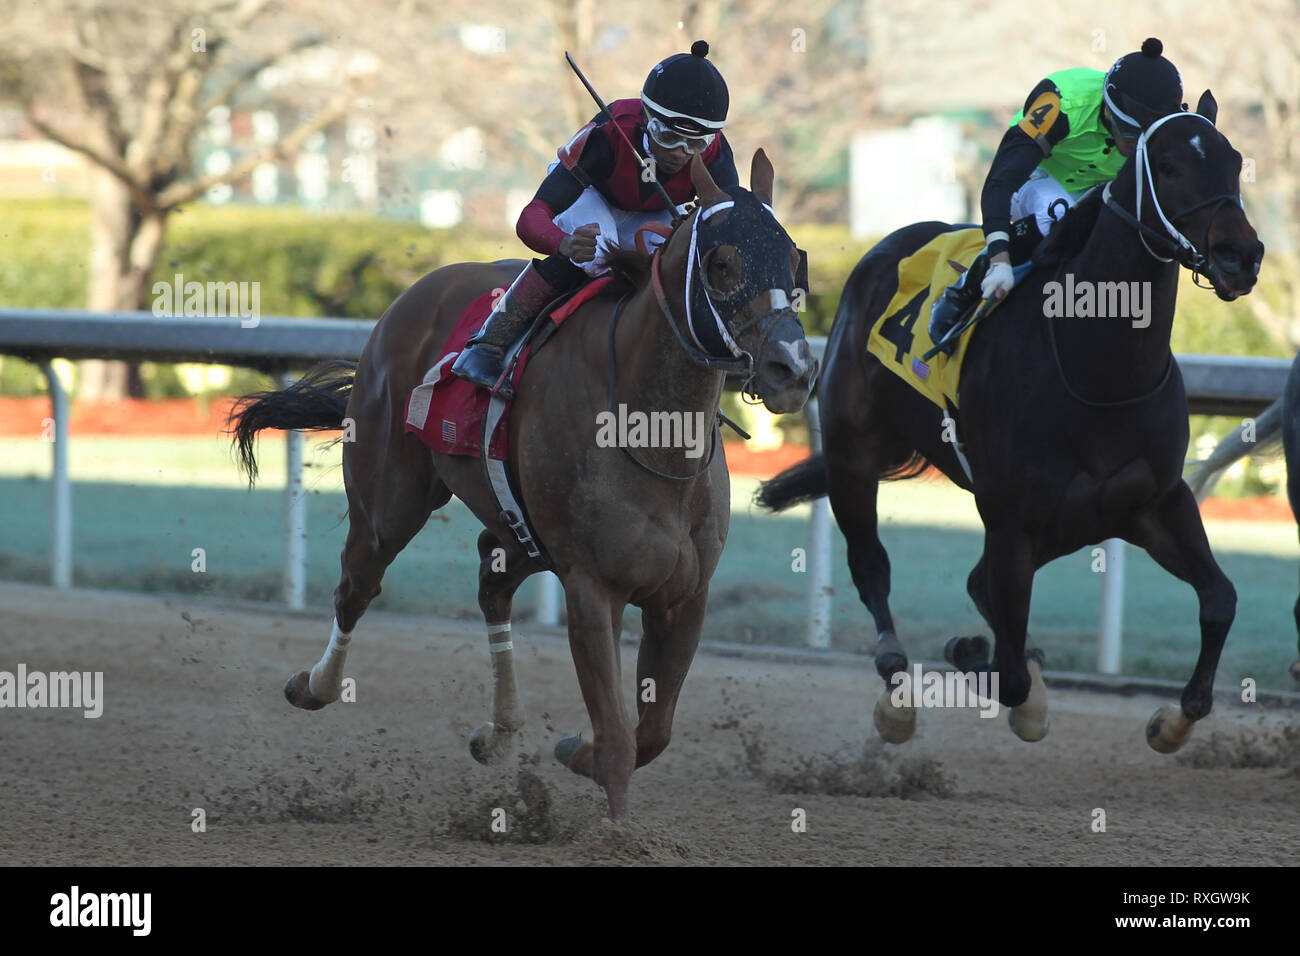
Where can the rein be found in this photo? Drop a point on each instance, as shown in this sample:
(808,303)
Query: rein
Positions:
(740,363)
(736,366)
(1183,250)
(613,383)
(1069,390)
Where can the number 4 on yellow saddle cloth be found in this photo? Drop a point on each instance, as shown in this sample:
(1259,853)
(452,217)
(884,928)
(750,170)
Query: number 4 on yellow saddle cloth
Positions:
(899,340)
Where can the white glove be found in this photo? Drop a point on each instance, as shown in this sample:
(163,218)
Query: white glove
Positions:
(997,281)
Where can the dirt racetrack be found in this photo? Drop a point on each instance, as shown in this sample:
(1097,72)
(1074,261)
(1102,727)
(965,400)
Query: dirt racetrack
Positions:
(194,717)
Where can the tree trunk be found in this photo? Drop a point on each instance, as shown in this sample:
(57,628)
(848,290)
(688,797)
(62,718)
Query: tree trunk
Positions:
(110,243)
(574,26)
(124,249)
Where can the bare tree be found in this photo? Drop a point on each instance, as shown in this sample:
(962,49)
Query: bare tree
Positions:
(1254,64)
(801,88)
(128,87)
(797,78)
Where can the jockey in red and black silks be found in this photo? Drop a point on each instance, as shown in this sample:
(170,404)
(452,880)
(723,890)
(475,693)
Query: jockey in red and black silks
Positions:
(1076,130)
(596,195)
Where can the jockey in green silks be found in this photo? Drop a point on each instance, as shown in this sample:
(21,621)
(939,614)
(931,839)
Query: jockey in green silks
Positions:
(1075,132)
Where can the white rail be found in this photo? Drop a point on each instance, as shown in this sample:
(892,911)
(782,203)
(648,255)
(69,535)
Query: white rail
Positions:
(1215,385)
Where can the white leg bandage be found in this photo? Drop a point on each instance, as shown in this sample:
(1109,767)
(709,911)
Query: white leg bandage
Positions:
(326,681)
(506,713)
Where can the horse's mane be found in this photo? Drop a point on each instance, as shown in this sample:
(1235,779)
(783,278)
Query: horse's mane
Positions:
(1069,236)
(631,269)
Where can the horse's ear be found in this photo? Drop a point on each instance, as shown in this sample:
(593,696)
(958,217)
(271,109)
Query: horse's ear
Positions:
(761,175)
(1207,107)
(705,187)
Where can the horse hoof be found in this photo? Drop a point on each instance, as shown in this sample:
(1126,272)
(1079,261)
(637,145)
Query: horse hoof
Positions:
(895,725)
(1295,671)
(960,651)
(487,745)
(1029,721)
(1030,724)
(577,754)
(297,692)
(1168,729)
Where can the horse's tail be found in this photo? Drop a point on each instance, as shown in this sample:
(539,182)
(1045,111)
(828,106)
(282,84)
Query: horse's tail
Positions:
(808,480)
(797,484)
(1267,435)
(318,400)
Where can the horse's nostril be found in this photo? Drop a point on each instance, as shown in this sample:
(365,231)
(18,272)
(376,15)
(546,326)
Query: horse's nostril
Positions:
(1229,260)
(777,373)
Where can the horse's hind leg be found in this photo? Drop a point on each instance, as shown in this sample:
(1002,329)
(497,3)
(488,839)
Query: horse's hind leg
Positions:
(853,490)
(501,570)
(971,654)
(1174,536)
(387,506)
(668,643)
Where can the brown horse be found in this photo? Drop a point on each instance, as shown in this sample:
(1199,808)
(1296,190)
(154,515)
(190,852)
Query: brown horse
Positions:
(615,525)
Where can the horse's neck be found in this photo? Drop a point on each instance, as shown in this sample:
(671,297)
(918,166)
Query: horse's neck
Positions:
(1116,357)
(654,371)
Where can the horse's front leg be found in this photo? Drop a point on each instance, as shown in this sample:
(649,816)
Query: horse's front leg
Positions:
(1008,564)
(668,642)
(970,655)
(595,624)
(1172,533)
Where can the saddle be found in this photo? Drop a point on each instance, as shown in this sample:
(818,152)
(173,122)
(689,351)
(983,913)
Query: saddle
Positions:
(456,417)
(901,343)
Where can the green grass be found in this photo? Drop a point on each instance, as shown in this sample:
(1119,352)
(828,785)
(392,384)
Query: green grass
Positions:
(142,506)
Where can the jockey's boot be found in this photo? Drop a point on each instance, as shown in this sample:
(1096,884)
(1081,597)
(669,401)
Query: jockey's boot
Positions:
(957,301)
(482,360)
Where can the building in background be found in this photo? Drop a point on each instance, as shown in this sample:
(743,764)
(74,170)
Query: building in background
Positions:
(908,174)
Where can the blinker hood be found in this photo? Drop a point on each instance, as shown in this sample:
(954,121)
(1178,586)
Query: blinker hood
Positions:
(749,226)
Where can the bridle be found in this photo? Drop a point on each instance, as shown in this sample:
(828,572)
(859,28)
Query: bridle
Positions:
(1184,251)
(739,362)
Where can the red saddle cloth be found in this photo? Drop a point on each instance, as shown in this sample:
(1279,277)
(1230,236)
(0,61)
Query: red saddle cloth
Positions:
(446,412)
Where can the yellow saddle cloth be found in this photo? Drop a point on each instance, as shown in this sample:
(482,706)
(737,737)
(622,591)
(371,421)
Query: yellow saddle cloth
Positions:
(901,335)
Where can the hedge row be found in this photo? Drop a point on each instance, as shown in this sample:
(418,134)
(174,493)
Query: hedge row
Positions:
(354,266)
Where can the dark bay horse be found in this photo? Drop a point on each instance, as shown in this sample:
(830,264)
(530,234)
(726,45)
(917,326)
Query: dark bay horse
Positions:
(1075,429)
(616,526)
(1279,422)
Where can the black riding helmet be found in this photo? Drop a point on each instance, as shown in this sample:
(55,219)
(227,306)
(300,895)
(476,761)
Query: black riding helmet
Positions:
(1140,88)
(687,94)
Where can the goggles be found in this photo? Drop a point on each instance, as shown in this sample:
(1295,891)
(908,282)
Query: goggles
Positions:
(1121,123)
(1128,131)
(669,138)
